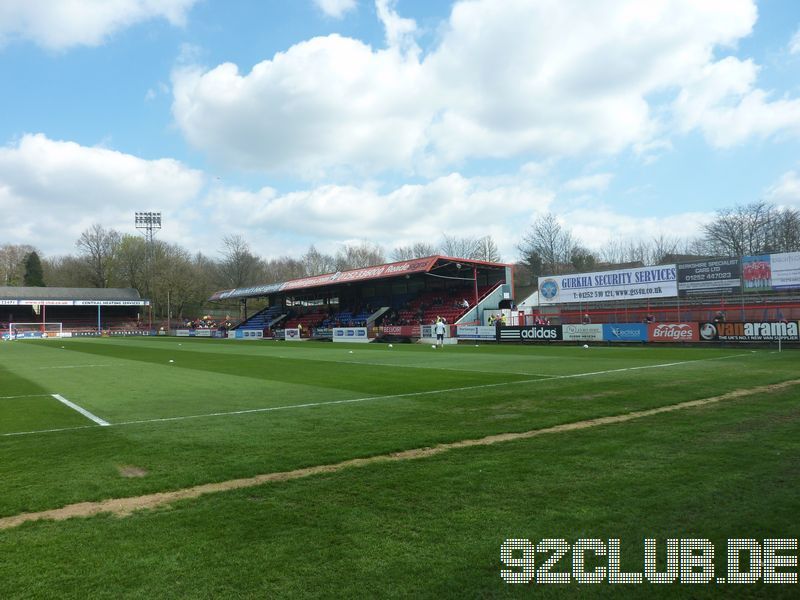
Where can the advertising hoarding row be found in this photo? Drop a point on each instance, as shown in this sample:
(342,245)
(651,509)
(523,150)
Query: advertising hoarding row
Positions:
(6,302)
(720,276)
(750,331)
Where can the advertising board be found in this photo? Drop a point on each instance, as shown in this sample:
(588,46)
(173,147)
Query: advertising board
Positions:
(719,276)
(603,286)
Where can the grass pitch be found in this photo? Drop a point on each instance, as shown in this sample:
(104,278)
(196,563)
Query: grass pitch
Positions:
(432,527)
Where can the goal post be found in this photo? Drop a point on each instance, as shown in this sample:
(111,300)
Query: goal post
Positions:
(34,330)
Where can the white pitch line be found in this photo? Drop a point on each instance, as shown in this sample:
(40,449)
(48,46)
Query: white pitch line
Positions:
(370,398)
(81,410)
(72,367)
(25,396)
(18,433)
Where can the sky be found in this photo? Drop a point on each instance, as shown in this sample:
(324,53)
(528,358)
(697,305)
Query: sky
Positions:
(328,122)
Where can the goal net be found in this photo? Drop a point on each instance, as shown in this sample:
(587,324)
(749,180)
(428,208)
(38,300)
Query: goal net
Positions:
(33,330)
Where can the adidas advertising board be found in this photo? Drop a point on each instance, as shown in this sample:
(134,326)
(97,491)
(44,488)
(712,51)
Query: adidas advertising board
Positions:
(532,333)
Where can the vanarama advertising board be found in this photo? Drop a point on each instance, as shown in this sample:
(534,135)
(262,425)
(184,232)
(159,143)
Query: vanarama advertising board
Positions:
(604,286)
(750,331)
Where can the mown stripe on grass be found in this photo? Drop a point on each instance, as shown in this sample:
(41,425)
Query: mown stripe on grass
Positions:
(125,506)
(249,411)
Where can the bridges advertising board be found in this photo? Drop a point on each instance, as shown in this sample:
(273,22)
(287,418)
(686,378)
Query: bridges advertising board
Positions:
(673,332)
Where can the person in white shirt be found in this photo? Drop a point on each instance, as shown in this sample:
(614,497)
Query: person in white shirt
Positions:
(439,330)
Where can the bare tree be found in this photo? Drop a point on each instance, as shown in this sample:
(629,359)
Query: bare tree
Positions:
(239,266)
(486,249)
(785,236)
(740,231)
(582,260)
(547,246)
(417,250)
(364,254)
(283,268)
(317,263)
(66,271)
(459,247)
(98,247)
(179,280)
(660,249)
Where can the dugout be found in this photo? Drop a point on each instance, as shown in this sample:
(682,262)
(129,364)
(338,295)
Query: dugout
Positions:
(399,294)
(76,309)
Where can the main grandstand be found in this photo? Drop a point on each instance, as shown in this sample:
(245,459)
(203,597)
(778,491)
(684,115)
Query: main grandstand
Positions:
(400,296)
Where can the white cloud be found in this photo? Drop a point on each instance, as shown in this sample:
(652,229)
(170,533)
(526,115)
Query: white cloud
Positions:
(335,8)
(60,24)
(332,214)
(521,78)
(504,208)
(570,77)
(598,182)
(794,44)
(324,104)
(399,31)
(51,190)
(786,191)
(599,226)
(723,102)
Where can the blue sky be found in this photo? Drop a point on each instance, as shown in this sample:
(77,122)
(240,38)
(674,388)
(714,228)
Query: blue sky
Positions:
(393,121)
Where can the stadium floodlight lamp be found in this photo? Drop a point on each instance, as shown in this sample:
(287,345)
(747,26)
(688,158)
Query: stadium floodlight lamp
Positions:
(148,220)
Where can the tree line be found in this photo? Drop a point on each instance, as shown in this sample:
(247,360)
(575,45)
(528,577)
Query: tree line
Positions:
(550,248)
(168,273)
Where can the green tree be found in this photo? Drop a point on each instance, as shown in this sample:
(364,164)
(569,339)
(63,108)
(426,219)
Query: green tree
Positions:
(12,263)
(34,277)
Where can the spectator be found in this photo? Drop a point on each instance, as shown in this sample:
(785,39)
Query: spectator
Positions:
(587,320)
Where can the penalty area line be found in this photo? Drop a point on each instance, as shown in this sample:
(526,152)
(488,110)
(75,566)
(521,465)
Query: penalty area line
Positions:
(81,410)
